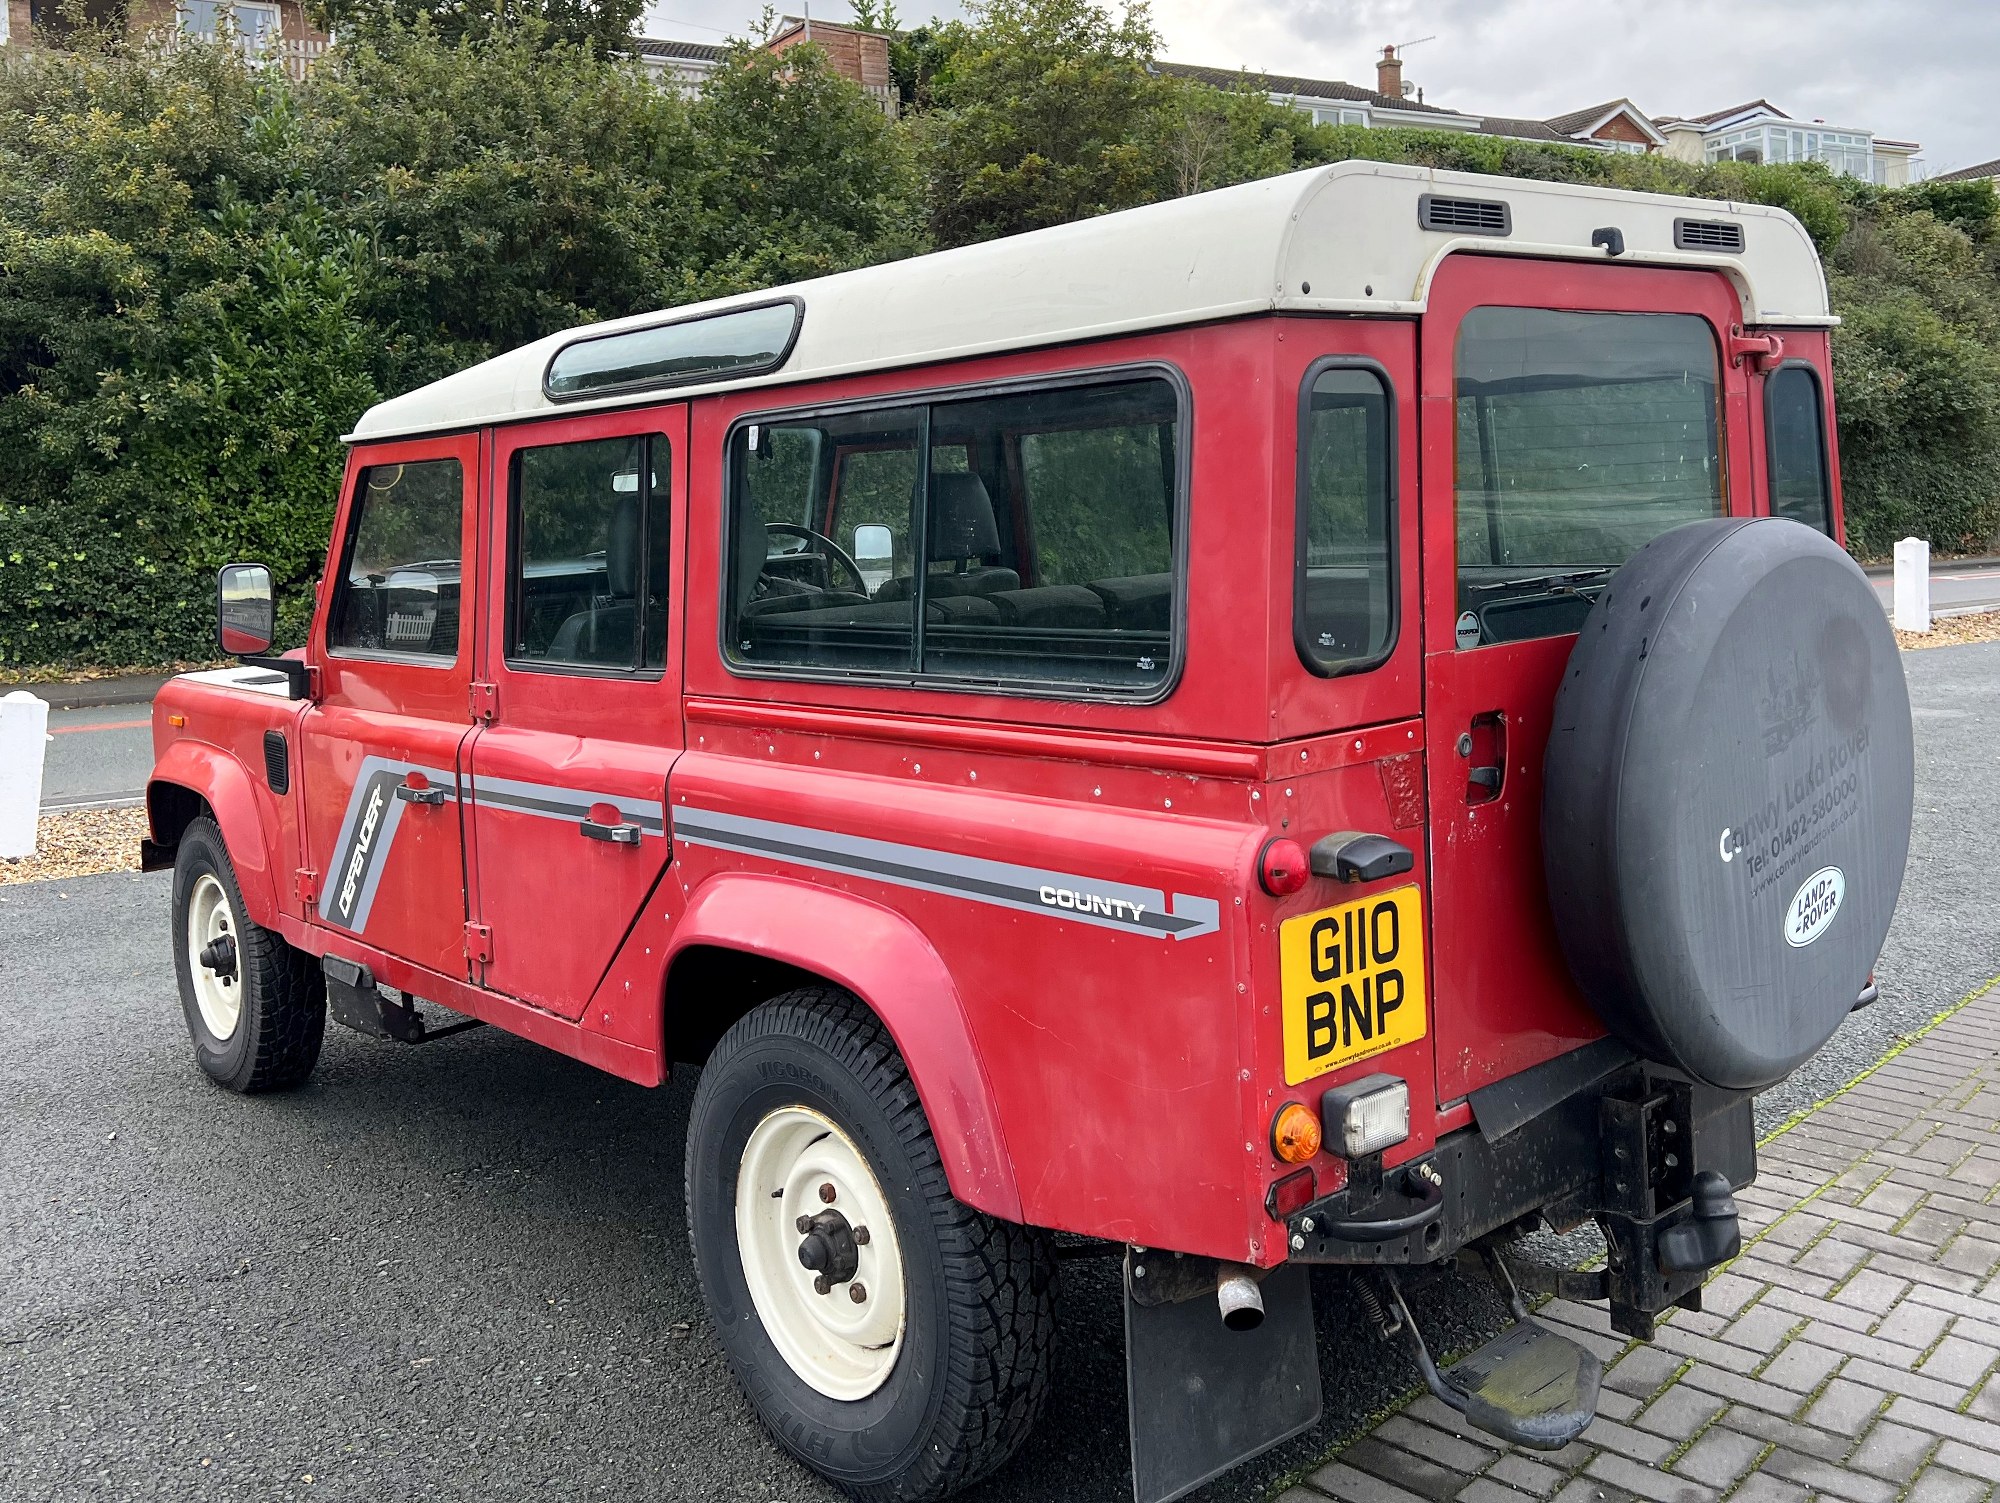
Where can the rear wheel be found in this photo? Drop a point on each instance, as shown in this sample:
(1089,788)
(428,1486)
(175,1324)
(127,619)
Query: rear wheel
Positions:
(255,1006)
(891,1338)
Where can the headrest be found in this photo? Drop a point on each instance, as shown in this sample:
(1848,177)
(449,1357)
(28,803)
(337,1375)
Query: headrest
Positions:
(621,550)
(962,524)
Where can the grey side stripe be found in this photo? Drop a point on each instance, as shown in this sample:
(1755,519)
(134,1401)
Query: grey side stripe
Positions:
(1086,900)
(573,804)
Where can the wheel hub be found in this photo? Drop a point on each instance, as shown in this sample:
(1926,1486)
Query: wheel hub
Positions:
(213,960)
(819,1253)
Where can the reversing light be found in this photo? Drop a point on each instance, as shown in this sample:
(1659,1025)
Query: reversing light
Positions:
(1295,1133)
(1367,1115)
(1283,868)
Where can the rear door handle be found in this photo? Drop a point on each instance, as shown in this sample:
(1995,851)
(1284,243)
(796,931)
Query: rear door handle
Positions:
(411,794)
(619,834)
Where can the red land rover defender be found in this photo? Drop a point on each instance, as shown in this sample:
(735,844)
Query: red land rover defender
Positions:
(1322,722)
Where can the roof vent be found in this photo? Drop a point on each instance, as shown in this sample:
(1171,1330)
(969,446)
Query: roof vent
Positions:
(1464,216)
(1707,235)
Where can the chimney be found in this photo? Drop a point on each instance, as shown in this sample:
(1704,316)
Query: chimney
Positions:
(1389,74)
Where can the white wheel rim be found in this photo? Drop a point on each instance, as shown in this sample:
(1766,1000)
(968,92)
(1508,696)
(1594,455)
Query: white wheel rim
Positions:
(220,998)
(843,1347)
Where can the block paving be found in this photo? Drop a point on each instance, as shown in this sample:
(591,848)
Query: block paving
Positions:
(1848,1355)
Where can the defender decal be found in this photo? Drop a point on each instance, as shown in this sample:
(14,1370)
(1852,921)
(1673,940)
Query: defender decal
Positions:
(367,831)
(1084,900)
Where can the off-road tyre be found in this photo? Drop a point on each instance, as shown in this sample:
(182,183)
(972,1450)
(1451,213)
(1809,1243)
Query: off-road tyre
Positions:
(973,1371)
(282,1021)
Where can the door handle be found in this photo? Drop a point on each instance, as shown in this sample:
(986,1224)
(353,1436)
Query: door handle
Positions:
(410,793)
(1484,746)
(619,834)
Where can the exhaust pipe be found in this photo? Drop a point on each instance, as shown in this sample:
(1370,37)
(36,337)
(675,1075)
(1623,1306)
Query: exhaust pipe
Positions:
(1241,1301)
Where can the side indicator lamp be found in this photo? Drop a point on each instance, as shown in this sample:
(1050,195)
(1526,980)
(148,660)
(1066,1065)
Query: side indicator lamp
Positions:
(1295,1133)
(1283,867)
(1367,1115)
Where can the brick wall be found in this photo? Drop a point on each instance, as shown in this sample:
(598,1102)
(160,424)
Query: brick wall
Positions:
(20,28)
(1620,128)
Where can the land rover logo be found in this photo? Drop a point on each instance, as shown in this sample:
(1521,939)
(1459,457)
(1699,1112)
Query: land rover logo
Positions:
(1814,905)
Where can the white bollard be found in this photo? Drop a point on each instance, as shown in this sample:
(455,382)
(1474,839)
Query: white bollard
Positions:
(24,740)
(1913,585)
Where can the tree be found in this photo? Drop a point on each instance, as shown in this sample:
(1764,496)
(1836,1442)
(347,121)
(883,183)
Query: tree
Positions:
(603,27)
(1042,115)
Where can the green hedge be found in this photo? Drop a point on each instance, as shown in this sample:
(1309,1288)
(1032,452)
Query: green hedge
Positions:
(207,273)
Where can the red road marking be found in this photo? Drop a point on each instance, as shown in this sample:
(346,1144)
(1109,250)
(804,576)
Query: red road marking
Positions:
(114,725)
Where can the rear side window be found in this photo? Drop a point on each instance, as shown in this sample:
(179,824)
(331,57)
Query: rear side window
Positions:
(399,589)
(1020,538)
(1345,590)
(1580,437)
(1795,438)
(588,577)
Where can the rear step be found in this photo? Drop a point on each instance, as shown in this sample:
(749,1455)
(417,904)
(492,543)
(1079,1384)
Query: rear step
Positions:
(1527,1385)
(356,1001)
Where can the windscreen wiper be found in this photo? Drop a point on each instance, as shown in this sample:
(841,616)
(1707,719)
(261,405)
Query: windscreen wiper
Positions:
(1549,582)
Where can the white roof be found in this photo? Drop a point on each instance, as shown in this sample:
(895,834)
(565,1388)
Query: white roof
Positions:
(1338,239)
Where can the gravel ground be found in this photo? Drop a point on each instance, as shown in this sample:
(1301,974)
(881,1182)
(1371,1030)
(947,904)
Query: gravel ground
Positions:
(80,844)
(1955,631)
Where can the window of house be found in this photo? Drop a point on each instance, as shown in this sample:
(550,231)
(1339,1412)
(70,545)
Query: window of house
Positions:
(400,588)
(1580,437)
(1344,591)
(254,27)
(1026,537)
(588,577)
(1795,443)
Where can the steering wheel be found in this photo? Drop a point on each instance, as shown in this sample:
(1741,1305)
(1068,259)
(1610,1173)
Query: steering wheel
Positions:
(827,546)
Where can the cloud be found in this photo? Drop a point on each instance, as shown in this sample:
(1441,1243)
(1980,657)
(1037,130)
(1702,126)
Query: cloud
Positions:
(1912,70)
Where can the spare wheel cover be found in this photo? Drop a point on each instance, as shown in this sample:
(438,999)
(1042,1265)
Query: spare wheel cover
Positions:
(1726,807)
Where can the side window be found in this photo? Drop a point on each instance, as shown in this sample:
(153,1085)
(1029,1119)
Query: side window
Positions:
(587,581)
(399,589)
(1580,437)
(1345,589)
(1043,550)
(1795,438)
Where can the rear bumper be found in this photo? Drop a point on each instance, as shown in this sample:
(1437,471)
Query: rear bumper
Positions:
(1595,1133)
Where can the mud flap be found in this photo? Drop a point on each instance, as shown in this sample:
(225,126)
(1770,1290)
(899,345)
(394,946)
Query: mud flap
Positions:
(1203,1397)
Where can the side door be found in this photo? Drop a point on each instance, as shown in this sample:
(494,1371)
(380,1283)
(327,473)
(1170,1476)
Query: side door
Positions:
(379,749)
(569,777)
(1570,413)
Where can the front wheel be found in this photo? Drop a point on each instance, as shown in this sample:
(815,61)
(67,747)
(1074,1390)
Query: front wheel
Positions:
(255,1007)
(896,1341)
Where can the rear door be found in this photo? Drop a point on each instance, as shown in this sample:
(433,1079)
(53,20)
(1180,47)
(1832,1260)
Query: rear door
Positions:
(379,750)
(1570,413)
(569,777)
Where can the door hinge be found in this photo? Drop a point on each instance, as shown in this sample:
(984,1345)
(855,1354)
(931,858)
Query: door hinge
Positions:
(308,885)
(478,942)
(485,700)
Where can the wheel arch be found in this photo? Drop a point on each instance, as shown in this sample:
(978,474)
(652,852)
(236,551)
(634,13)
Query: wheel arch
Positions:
(194,779)
(747,937)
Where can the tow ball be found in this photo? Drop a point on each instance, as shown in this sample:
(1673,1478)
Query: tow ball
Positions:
(831,1252)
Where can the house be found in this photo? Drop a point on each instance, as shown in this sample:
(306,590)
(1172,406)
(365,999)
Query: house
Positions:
(277,29)
(860,56)
(1755,132)
(1987,172)
(1761,132)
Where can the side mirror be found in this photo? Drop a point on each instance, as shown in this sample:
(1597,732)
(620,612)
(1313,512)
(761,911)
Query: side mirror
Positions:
(875,552)
(246,618)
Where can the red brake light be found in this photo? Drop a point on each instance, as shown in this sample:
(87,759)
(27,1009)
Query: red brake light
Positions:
(1283,867)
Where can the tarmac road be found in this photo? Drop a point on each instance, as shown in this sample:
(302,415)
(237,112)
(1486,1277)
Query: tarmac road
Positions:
(97,757)
(460,1272)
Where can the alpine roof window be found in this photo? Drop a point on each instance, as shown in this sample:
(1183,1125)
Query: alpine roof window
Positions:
(1026,537)
(741,342)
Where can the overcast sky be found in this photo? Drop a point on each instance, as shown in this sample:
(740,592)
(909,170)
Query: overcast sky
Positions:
(1913,70)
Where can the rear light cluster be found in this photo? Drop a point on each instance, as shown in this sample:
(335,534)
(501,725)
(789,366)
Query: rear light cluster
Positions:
(1355,1120)
(1283,867)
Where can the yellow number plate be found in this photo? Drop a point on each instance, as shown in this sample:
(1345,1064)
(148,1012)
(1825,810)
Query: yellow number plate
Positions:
(1354,981)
